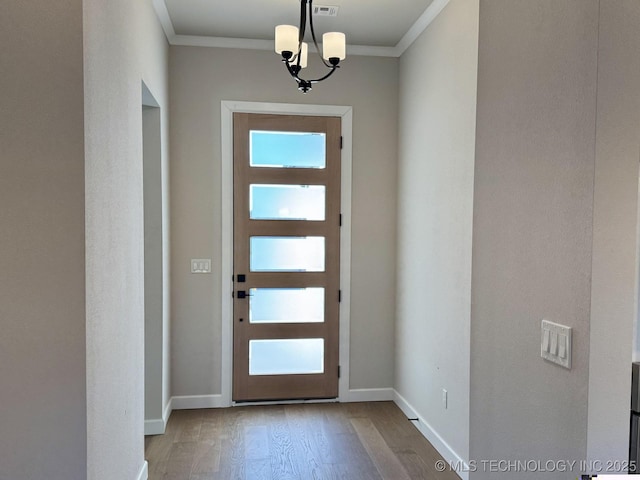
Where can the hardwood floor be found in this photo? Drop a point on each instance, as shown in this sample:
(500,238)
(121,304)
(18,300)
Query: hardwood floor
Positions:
(350,441)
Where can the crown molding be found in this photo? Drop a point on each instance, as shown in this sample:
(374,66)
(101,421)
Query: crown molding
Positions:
(412,34)
(221,42)
(420,25)
(372,51)
(249,44)
(165,20)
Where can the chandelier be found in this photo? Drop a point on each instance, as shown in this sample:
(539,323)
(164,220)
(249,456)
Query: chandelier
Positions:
(290,44)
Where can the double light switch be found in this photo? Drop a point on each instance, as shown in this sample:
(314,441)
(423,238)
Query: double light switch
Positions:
(556,343)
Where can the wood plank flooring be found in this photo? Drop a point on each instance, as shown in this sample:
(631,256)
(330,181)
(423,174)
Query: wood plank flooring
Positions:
(349,441)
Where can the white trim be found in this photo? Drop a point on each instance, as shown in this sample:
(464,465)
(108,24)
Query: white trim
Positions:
(371,51)
(227,110)
(226,268)
(144,471)
(192,402)
(154,427)
(267,45)
(221,42)
(420,25)
(157,426)
(162,12)
(433,437)
(285,109)
(167,411)
(412,34)
(369,395)
(636,354)
(345,253)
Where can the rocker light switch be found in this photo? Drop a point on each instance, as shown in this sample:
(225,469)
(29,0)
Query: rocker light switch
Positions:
(562,346)
(200,265)
(555,344)
(545,340)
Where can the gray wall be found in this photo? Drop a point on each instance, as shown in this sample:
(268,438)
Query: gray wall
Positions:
(435,211)
(200,79)
(124,45)
(613,300)
(153,261)
(42,278)
(533,215)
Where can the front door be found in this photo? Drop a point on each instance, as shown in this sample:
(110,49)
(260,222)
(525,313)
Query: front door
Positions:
(286,257)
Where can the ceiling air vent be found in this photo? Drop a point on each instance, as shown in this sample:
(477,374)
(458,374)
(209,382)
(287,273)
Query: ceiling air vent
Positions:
(325,10)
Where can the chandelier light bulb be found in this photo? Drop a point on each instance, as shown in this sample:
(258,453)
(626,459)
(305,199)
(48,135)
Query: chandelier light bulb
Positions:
(334,45)
(304,54)
(286,39)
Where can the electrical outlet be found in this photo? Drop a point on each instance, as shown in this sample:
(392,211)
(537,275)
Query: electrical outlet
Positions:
(445,399)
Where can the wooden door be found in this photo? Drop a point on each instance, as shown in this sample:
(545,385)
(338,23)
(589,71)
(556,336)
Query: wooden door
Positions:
(286,257)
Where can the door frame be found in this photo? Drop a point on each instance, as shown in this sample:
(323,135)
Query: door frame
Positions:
(228,108)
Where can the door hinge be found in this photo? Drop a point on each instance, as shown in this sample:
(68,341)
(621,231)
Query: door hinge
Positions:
(340,220)
(341,142)
(338,371)
(339,296)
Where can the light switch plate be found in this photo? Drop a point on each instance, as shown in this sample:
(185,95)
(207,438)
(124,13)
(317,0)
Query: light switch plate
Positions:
(200,265)
(555,343)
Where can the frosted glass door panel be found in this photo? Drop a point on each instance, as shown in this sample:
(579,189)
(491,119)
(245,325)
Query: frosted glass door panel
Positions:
(287,149)
(287,202)
(287,254)
(286,357)
(286,305)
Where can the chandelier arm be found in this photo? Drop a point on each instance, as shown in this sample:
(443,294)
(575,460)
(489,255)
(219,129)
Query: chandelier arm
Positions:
(301,30)
(303,21)
(295,74)
(292,69)
(333,69)
(313,35)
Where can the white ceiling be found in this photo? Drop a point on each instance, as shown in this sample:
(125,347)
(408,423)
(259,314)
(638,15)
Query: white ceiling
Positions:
(370,23)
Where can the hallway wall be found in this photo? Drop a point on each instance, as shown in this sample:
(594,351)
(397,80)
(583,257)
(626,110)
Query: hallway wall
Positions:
(435,190)
(42,239)
(124,45)
(200,79)
(533,227)
(615,230)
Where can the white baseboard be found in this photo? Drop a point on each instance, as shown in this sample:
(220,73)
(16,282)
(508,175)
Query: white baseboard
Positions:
(157,426)
(144,472)
(368,395)
(434,438)
(197,401)
(167,411)
(154,427)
